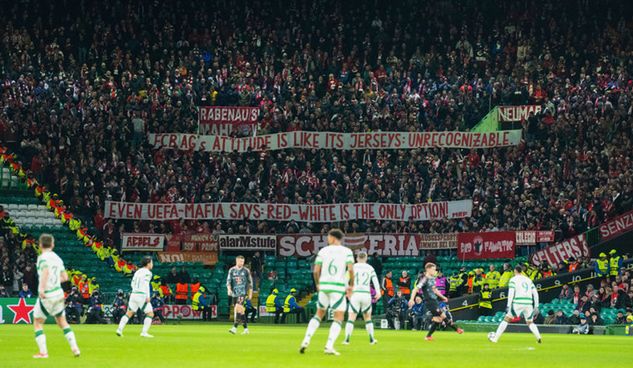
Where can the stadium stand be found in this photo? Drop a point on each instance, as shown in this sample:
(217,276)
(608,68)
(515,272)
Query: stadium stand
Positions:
(78,101)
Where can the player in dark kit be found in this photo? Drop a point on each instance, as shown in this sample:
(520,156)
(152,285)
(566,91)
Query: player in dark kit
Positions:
(239,285)
(426,283)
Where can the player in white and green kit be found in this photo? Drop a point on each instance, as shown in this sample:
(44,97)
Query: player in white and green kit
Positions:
(140,298)
(522,301)
(334,278)
(361,302)
(50,301)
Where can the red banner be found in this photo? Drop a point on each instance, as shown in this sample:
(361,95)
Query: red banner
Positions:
(517,113)
(534,237)
(173,311)
(206,258)
(619,225)
(486,245)
(306,245)
(142,242)
(574,247)
(199,242)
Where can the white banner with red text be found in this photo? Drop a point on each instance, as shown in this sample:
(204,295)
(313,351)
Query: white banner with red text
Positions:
(336,141)
(288,212)
(532,237)
(555,254)
(224,120)
(517,113)
(306,245)
(248,242)
(175,311)
(142,242)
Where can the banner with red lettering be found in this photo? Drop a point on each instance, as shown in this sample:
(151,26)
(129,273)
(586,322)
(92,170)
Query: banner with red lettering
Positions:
(619,225)
(336,141)
(174,311)
(499,244)
(199,242)
(248,242)
(289,212)
(224,120)
(517,113)
(574,247)
(532,237)
(306,245)
(207,258)
(142,242)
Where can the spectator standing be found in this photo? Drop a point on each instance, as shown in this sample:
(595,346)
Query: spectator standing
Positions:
(396,311)
(388,290)
(404,284)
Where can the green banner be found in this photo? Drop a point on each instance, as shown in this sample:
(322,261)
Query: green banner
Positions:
(490,122)
(16,310)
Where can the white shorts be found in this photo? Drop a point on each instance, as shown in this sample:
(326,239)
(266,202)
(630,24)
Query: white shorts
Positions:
(360,303)
(334,301)
(139,301)
(49,307)
(522,310)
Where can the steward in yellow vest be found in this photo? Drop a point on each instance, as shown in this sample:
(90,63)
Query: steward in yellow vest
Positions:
(485,301)
(602,266)
(615,263)
(273,304)
(492,277)
(291,307)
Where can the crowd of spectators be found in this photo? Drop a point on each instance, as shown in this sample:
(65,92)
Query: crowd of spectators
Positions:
(82,85)
(17,272)
(588,304)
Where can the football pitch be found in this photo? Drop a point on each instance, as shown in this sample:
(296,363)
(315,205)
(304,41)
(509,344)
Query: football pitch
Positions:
(210,345)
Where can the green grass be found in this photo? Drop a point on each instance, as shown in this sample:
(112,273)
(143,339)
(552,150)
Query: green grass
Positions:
(210,345)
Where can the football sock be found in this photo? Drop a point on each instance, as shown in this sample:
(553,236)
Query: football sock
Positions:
(123,322)
(534,329)
(40,339)
(369,326)
(450,324)
(500,329)
(349,328)
(312,327)
(147,322)
(245,321)
(70,337)
(432,329)
(335,329)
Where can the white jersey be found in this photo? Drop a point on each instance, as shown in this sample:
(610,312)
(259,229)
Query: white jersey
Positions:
(521,291)
(140,282)
(363,275)
(334,260)
(51,261)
